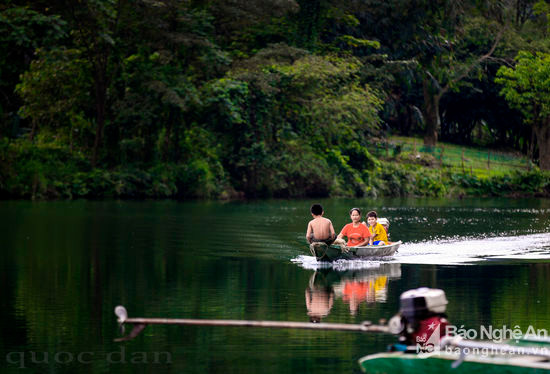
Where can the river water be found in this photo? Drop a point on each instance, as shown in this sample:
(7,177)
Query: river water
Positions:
(66,265)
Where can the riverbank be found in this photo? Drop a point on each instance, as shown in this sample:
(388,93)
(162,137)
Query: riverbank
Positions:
(49,171)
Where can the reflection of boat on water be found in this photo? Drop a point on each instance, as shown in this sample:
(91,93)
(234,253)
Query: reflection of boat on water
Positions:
(353,286)
(324,252)
(391,270)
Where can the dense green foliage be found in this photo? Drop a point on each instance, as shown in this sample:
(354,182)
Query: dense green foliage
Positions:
(527,88)
(259,98)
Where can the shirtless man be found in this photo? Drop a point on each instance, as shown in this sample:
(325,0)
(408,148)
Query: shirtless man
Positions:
(320,229)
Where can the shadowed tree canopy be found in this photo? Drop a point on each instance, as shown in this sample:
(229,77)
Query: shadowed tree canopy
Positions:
(252,98)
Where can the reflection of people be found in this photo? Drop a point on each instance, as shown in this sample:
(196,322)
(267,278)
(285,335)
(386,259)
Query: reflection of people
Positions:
(380,288)
(319,300)
(358,235)
(354,293)
(319,229)
(378,232)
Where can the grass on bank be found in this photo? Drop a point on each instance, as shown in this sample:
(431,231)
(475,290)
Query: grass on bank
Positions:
(479,162)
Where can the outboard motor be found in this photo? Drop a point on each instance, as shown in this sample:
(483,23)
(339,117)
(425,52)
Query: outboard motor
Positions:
(421,321)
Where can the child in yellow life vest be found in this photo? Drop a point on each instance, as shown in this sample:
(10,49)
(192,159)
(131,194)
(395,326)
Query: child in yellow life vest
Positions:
(378,232)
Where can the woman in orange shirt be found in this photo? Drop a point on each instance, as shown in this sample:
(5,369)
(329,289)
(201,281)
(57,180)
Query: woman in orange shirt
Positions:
(358,235)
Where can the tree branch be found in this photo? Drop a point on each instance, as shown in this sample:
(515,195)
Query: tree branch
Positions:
(467,71)
(504,61)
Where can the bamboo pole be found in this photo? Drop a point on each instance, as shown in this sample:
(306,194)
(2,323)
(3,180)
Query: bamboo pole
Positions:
(141,323)
(270,324)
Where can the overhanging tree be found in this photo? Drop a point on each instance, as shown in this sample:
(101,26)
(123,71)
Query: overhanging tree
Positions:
(527,88)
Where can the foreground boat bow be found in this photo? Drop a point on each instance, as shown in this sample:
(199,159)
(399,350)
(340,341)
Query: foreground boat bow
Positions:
(456,356)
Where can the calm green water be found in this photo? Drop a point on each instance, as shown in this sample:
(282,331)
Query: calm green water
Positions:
(66,265)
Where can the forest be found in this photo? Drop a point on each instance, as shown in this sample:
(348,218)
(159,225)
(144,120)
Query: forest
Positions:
(268,98)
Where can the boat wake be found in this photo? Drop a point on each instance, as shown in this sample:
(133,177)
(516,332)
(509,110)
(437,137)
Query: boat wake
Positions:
(455,251)
(465,251)
(311,263)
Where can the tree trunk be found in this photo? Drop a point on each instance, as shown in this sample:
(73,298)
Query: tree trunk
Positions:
(543,140)
(532,144)
(433,92)
(166,152)
(33,131)
(431,111)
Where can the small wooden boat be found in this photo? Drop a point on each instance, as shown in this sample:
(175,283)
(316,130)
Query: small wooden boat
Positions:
(324,252)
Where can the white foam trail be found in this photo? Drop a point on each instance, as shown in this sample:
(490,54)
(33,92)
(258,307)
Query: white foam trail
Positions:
(310,263)
(456,251)
(465,250)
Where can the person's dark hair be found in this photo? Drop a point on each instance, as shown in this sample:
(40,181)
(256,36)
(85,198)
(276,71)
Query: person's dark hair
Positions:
(316,209)
(357,209)
(372,213)
(314,319)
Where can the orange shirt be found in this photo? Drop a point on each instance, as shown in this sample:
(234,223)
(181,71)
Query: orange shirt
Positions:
(355,235)
(357,290)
